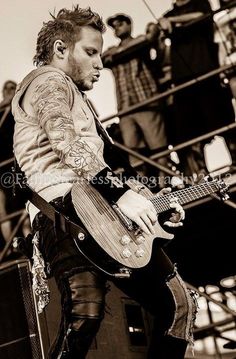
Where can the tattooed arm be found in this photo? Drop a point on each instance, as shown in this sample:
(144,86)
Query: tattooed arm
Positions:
(50,99)
(51,104)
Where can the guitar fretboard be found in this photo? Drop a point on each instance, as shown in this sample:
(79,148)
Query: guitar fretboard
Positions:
(162,203)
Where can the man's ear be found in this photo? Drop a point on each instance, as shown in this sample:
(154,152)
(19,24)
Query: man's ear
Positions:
(59,48)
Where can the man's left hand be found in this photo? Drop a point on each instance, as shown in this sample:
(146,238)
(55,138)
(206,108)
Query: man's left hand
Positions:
(178,215)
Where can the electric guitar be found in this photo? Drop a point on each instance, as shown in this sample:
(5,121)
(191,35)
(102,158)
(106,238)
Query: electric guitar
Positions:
(113,233)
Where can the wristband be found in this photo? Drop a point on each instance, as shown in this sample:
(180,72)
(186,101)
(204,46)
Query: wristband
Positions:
(108,184)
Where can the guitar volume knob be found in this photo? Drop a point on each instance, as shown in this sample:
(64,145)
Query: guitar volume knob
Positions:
(139,252)
(139,239)
(126,253)
(125,240)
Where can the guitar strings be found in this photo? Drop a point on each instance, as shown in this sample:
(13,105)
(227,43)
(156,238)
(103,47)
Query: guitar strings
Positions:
(162,203)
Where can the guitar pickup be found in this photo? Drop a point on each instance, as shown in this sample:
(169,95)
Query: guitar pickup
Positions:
(124,219)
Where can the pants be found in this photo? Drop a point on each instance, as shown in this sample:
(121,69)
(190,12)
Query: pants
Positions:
(157,287)
(144,128)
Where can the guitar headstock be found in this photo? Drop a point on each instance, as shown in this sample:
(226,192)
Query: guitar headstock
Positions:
(223,188)
(221,185)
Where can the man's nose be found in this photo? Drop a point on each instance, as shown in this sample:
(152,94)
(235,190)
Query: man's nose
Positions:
(98,63)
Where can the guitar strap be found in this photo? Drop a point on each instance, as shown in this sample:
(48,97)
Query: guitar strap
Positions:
(110,148)
(62,222)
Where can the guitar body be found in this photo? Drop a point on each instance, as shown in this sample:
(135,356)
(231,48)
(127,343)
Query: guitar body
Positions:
(131,248)
(113,236)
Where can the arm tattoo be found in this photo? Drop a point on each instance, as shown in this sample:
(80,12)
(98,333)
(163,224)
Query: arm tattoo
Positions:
(51,103)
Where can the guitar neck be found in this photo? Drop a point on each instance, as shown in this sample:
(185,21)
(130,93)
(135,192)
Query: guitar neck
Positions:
(184,196)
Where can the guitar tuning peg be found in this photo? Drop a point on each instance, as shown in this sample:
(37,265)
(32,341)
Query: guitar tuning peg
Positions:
(224,196)
(208,178)
(223,191)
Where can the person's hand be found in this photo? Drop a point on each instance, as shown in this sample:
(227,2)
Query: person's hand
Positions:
(176,217)
(139,209)
(107,56)
(165,24)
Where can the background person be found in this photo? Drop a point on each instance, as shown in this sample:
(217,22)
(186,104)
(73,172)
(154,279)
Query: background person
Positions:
(206,105)
(136,80)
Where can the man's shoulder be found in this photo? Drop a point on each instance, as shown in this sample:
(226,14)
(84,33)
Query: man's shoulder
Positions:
(45,81)
(42,72)
(44,75)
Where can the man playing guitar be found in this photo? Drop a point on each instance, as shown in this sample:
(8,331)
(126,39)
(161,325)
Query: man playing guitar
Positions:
(57,143)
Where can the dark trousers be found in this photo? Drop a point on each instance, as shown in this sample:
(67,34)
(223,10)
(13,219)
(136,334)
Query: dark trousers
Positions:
(157,288)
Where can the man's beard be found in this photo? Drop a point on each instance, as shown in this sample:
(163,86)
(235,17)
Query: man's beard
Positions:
(76,73)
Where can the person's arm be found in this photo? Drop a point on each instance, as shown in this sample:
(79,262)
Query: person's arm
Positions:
(166,23)
(51,104)
(114,55)
(107,56)
(199,8)
(186,17)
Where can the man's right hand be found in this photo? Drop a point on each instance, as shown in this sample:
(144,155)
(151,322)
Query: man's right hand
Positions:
(139,209)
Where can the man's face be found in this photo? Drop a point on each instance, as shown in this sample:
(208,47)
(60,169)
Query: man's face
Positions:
(121,28)
(84,61)
(9,90)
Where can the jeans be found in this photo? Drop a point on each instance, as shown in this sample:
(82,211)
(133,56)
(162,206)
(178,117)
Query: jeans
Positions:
(157,287)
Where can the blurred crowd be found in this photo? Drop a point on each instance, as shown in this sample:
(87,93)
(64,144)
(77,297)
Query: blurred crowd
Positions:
(177,48)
